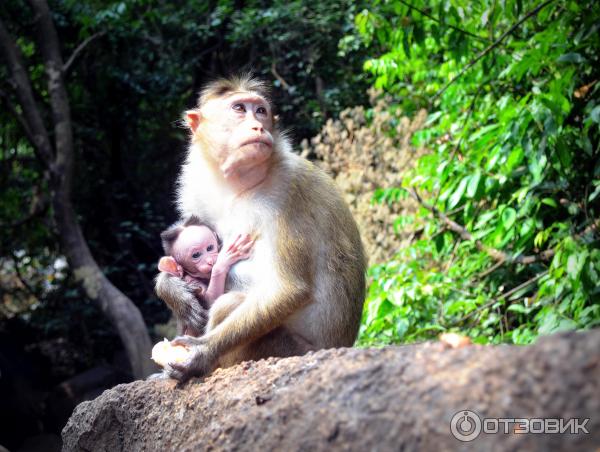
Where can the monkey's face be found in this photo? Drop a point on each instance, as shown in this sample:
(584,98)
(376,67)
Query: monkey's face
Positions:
(237,130)
(196,250)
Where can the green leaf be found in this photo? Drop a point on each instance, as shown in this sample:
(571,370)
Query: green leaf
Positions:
(458,193)
(575,264)
(485,17)
(571,57)
(384,308)
(509,215)
(473,184)
(564,154)
(549,202)
(406,41)
(527,227)
(514,158)
(519,308)
(402,326)
(519,5)
(595,114)
(595,193)
(439,243)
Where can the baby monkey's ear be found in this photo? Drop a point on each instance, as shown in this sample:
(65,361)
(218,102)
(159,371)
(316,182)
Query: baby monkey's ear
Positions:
(169,264)
(192,119)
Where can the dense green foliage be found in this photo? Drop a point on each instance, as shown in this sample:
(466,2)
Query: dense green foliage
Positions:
(510,190)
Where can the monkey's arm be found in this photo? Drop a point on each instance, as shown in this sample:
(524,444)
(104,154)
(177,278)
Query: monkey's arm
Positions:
(180,297)
(216,286)
(239,249)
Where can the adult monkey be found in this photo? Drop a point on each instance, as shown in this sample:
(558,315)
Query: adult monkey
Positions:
(303,287)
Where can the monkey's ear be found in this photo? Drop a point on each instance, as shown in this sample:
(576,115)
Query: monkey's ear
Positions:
(192,119)
(169,264)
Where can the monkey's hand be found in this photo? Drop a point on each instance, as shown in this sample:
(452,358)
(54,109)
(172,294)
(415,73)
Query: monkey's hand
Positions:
(181,299)
(239,249)
(201,363)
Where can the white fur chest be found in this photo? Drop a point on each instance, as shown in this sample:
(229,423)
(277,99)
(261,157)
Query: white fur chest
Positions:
(204,195)
(247,217)
(232,216)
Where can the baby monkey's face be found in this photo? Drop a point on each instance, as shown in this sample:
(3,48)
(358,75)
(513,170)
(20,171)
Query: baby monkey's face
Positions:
(196,250)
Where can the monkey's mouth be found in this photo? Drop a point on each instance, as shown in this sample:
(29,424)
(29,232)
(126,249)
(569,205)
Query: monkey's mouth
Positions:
(259,140)
(206,269)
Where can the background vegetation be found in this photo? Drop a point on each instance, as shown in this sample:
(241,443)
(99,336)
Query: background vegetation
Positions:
(471,164)
(508,193)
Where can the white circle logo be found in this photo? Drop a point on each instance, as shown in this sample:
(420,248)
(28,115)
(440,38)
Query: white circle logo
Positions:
(465,425)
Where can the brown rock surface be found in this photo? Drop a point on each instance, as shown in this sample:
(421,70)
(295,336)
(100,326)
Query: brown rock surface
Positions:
(394,398)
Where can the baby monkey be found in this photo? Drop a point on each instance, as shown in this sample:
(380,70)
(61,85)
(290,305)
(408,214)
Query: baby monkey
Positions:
(194,253)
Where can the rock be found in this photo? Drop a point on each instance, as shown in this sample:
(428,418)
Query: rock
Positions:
(394,398)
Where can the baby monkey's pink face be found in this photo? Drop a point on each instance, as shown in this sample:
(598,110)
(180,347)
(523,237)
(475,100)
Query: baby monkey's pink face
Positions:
(196,250)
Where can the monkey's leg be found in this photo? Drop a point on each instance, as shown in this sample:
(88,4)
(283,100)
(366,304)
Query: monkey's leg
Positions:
(279,343)
(223,306)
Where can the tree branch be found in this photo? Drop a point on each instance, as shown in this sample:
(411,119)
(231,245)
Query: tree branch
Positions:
(38,135)
(61,112)
(489,271)
(284,84)
(501,297)
(497,255)
(492,46)
(80,49)
(38,211)
(435,19)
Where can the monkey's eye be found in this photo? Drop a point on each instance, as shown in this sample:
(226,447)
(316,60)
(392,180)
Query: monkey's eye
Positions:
(196,255)
(209,248)
(239,107)
(261,110)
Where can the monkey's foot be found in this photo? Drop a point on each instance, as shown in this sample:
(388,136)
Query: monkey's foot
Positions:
(200,363)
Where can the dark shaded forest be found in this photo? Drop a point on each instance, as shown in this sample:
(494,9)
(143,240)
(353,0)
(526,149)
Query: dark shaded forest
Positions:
(464,137)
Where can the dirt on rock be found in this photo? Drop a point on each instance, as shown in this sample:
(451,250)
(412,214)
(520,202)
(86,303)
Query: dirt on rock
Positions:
(388,399)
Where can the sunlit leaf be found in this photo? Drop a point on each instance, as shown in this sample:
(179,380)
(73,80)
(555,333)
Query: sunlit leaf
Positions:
(458,193)
(509,215)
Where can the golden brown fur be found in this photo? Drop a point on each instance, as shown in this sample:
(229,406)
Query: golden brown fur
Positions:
(303,288)
(224,86)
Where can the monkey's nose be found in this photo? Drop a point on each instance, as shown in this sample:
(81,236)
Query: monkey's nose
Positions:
(256,125)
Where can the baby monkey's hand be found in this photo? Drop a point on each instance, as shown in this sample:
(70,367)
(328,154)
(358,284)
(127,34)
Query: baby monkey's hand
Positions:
(239,249)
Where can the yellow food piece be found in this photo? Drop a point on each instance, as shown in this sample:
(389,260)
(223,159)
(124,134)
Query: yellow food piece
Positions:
(164,353)
(455,340)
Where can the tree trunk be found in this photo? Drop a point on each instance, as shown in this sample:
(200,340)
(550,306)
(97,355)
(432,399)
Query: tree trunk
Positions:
(58,160)
(120,310)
